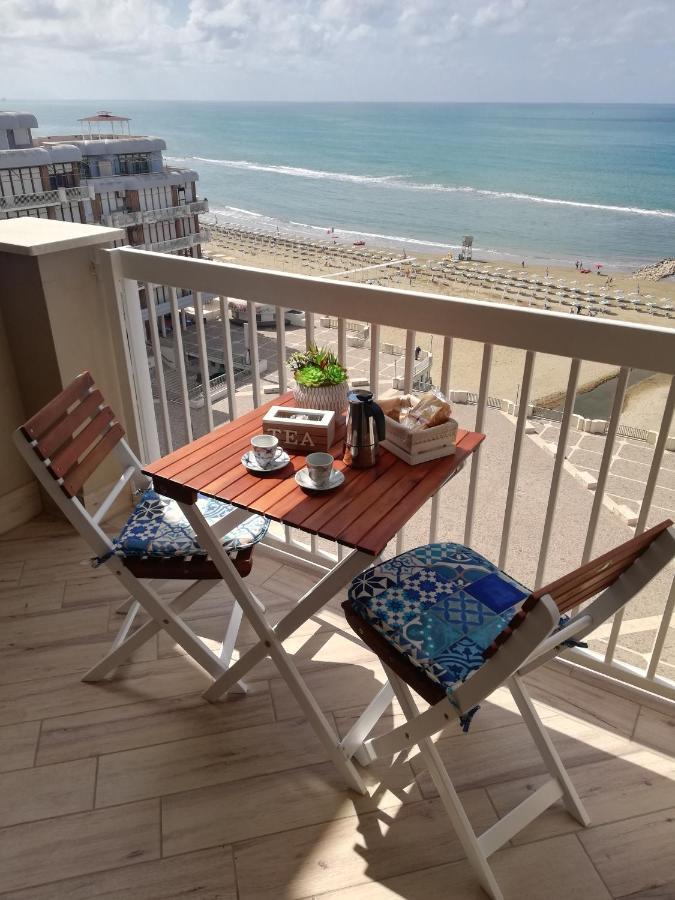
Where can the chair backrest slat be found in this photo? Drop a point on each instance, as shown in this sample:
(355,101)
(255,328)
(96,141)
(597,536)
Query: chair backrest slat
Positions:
(66,427)
(570,599)
(600,573)
(50,414)
(583,583)
(73,434)
(77,476)
(67,456)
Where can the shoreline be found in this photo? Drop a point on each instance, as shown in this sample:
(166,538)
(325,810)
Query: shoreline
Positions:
(347,262)
(236,218)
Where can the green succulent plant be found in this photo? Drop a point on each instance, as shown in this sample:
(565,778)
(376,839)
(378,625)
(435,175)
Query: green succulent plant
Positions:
(317,367)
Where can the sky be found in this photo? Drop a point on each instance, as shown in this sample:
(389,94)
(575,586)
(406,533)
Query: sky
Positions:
(433,50)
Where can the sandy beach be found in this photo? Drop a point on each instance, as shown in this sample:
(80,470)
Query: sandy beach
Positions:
(420,271)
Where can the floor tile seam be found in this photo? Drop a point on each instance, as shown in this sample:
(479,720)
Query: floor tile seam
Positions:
(76,812)
(604,725)
(93,801)
(569,766)
(233,781)
(37,766)
(275,716)
(37,646)
(637,720)
(68,878)
(71,612)
(85,668)
(382,881)
(165,743)
(641,696)
(579,829)
(335,816)
(37,744)
(595,868)
(92,709)
(356,815)
(160,822)
(89,604)
(234,872)
(38,613)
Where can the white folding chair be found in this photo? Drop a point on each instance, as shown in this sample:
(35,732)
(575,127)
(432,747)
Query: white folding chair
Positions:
(64,443)
(446,622)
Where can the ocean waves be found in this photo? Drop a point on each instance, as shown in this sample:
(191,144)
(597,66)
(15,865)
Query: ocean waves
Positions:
(401,182)
(295,171)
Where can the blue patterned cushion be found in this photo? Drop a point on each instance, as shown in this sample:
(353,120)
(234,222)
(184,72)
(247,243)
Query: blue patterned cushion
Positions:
(440,606)
(158,528)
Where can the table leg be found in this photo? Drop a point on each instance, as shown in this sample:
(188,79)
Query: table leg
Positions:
(308,605)
(270,645)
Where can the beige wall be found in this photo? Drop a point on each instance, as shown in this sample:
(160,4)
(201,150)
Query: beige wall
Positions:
(19,497)
(55,323)
(13,471)
(24,311)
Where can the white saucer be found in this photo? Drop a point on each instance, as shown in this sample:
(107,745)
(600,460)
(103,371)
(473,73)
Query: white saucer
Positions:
(303,479)
(249,461)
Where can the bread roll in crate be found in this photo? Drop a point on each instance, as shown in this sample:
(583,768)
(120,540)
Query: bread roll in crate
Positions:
(419,445)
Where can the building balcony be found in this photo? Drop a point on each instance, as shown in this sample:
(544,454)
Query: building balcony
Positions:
(123,219)
(40,199)
(238,797)
(179,243)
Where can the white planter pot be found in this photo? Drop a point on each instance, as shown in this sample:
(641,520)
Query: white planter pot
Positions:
(333,397)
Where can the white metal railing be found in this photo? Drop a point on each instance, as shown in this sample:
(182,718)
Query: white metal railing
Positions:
(38,199)
(616,343)
(123,218)
(179,243)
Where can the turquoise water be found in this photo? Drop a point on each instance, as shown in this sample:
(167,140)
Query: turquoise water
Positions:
(536,182)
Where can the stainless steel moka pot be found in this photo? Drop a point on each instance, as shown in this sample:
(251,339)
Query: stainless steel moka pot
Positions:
(365,430)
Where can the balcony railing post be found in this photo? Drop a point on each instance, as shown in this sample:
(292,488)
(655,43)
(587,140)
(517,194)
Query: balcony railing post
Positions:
(129,307)
(227,357)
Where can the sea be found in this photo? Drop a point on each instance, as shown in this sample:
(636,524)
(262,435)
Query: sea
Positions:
(552,183)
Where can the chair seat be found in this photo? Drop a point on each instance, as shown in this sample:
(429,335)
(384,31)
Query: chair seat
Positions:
(157,529)
(439,607)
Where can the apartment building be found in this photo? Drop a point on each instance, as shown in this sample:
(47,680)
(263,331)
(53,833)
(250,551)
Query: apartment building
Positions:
(42,181)
(102,176)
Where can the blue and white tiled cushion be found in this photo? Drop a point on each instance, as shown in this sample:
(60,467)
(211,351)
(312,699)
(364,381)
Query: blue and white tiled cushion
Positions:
(158,528)
(440,606)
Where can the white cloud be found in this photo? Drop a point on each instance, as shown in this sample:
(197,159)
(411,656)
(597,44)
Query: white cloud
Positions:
(399,40)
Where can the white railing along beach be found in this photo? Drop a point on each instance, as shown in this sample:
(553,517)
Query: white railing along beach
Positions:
(620,344)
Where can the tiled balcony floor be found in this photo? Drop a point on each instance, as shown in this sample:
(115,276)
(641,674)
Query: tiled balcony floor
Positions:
(139,790)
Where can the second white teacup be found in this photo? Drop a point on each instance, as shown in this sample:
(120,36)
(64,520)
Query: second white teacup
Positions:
(320,466)
(266,449)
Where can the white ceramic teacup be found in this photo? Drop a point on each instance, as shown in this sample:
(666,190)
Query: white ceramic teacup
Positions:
(266,449)
(319,466)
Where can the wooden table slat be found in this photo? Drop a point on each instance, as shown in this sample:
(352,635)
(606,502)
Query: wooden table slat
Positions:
(382,519)
(341,512)
(227,454)
(168,466)
(366,512)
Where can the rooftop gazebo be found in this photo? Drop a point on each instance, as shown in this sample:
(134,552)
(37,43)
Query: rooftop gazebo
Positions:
(96,124)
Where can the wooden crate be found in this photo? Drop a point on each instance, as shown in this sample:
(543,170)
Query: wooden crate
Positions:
(419,446)
(301,430)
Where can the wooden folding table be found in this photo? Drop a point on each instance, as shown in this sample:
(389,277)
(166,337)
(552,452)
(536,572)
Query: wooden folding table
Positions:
(364,514)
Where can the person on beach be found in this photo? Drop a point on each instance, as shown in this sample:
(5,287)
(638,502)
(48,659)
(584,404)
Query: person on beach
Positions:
(576,264)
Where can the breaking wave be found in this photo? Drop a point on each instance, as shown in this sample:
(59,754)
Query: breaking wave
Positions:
(400,182)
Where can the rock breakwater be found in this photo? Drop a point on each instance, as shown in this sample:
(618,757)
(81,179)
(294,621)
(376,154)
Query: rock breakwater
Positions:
(657,271)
